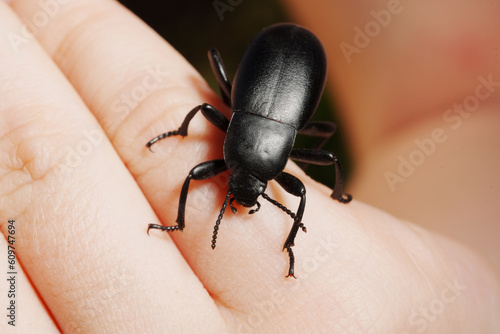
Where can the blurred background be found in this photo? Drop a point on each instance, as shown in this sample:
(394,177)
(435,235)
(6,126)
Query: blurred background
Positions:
(195,26)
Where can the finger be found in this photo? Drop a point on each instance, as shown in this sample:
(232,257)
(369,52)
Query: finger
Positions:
(81,218)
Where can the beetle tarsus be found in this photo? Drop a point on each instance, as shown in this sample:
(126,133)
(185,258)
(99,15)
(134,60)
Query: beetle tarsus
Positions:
(344,198)
(160,137)
(163,228)
(291,261)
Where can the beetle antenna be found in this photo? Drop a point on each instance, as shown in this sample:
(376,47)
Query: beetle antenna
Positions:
(219,219)
(279,205)
(284,208)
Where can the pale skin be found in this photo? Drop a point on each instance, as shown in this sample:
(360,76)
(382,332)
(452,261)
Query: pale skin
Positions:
(78,104)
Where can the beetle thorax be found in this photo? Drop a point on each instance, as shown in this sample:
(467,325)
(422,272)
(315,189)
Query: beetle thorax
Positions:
(246,188)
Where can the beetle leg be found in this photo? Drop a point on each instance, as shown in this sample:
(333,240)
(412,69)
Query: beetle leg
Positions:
(294,186)
(320,157)
(220,74)
(318,129)
(213,115)
(203,171)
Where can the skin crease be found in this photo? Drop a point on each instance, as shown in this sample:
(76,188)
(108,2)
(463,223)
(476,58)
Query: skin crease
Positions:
(81,216)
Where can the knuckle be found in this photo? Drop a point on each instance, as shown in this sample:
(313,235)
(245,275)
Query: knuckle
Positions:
(39,150)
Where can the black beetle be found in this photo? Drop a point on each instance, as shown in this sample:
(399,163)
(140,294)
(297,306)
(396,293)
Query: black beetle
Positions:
(275,92)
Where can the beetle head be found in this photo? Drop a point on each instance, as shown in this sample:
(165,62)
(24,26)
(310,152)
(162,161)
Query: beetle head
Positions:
(246,188)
